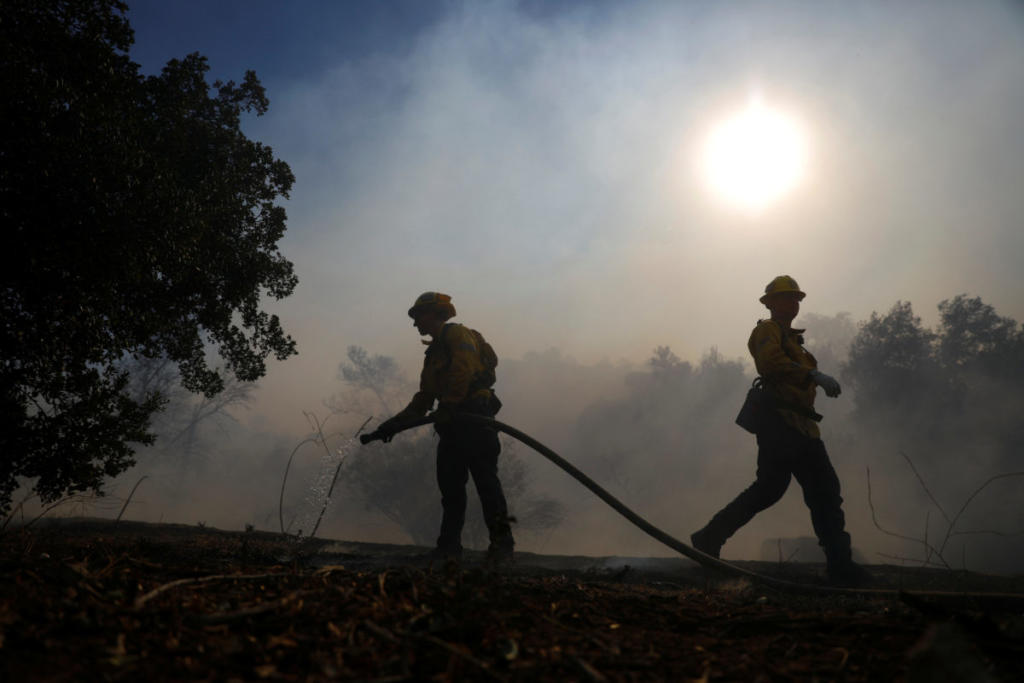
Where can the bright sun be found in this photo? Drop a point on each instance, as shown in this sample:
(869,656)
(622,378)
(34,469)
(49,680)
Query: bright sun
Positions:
(755,157)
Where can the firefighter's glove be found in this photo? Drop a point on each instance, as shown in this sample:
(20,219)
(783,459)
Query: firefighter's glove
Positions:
(826,382)
(443,415)
(388,428)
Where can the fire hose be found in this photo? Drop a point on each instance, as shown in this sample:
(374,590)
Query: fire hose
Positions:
(675,544)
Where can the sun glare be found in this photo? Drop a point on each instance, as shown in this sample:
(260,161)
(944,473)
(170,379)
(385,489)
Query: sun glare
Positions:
(755,157)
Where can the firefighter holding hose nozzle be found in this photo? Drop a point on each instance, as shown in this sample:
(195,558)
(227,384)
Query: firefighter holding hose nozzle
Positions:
(780,410)
(458,373)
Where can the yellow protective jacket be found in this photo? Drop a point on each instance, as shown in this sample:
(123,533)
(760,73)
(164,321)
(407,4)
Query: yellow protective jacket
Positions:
(451,367)
(785,366)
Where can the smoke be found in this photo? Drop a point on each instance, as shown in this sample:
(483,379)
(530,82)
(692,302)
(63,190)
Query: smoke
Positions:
(538,165)
(659,436)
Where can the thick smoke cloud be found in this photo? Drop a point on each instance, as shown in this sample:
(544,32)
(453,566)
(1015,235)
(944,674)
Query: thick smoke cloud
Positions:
(539,165)
(541,169)
(660,436)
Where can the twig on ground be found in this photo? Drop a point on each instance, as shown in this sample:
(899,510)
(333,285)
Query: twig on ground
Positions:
(255,610)
(458,652)
(380,631)
(600,643)
(143,599)
(592,673)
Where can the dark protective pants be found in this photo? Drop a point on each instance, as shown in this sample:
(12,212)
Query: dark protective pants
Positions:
(783,452)
(466,449)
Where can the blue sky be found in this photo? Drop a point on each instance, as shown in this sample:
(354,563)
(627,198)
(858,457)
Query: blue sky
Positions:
(536,161)
(283,42)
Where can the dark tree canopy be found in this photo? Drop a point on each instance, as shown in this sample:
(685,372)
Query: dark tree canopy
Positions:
(974,337)
(891,361)
(138,221)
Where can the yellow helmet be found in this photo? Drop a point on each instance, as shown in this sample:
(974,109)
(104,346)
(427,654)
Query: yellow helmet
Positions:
(781,284)
(442,303)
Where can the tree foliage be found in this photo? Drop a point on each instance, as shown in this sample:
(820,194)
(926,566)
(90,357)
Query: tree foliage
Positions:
(890,362)
(139,221)
(972,336)
(957,388)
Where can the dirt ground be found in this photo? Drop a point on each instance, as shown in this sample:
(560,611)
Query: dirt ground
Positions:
(90,600)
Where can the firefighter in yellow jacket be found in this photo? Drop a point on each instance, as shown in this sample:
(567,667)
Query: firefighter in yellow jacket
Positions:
(788,440)
(456,376)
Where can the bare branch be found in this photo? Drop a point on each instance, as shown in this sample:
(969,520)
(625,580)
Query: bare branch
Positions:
(129,499)
(920,480)
(990,532)
(963,508)
(284,480)
(20,506)
(874,518)
(931,550)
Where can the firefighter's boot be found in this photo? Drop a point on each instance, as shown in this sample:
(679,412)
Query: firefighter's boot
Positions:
(842,570)
(707,542)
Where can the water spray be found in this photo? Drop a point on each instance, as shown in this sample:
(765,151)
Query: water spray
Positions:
(344,454)
(320,438)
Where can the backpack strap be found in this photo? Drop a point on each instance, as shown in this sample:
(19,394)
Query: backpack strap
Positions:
(444,346)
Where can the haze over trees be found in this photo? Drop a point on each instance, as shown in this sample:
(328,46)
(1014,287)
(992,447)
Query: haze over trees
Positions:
(938,412)
(182,428)
(672,418)
(139,223)
(955,388)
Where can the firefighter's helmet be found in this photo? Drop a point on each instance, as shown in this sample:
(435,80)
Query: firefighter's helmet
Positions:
(436,301)
(780,285)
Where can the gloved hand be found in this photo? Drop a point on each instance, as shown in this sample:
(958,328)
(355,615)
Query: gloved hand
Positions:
(443,415)
(388,428)
(826,382)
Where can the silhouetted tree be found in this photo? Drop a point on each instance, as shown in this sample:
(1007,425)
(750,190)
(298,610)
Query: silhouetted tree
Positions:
(973,337)
(891,367)
(139,222)
(664,360)
(983,355)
